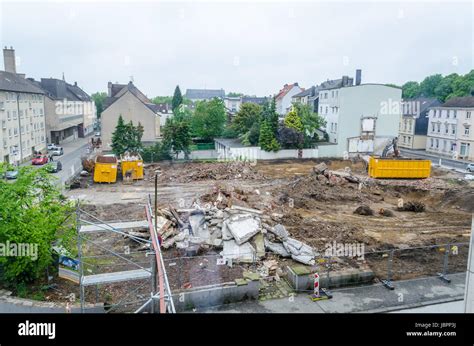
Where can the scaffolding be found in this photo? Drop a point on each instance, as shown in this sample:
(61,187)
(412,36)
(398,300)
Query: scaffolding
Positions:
(153,273)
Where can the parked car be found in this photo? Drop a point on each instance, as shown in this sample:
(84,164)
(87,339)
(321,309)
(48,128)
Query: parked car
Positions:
(97,134)
(56,151)
(470,167)
(51,146)
(39,160)
(54,167)
(11,174)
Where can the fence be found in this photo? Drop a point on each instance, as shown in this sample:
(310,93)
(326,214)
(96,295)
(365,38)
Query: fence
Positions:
(385,266)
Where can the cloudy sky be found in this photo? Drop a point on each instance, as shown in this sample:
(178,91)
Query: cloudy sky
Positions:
(249,47)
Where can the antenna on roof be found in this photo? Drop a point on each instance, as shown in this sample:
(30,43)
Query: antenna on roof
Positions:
(64,79)
(131,79)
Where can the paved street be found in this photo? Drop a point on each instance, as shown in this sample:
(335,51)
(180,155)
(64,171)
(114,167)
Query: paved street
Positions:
(408,294)
(71,159)
(458,165)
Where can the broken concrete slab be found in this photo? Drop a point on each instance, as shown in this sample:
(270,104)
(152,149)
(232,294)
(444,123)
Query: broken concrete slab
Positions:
(238,253)
(320,168)
(243,228)
(248,210)
(277,248)
(259,245)
(309,260)
(280,231)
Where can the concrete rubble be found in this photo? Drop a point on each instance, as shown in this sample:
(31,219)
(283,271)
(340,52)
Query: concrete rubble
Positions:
(239,231)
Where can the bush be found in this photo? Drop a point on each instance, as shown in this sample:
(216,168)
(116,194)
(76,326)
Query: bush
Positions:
(156,152)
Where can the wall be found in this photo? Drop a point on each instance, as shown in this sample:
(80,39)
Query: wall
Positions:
(367,100)
(215,296)
(130,108)
(255,153)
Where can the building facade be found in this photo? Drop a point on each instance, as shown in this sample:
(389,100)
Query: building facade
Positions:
(127,101)
(22,119)
(204,94)
(413,127)
(22,114)
(70,112)
(283,98)
(450,130)
(360,119)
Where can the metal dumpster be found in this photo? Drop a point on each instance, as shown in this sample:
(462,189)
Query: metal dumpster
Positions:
(134,163)
(105,169)
(396,168)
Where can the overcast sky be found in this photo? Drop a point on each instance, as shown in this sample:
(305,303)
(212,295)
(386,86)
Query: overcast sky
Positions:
(246,47)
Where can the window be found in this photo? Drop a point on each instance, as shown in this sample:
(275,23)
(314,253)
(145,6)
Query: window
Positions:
(326,109)
(335,127)
(437,143)
(455,114)
(10,133)
(8,115)
(431,143)
(439,127)
(453,129)
(468,115)
(446,129)
(14,115)
(433,127)
(466,131)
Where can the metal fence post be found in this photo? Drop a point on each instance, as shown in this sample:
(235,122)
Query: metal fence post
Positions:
(388,282)
(442,275)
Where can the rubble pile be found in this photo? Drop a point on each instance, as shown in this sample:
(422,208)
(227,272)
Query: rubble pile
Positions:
(189,172)
(244,234)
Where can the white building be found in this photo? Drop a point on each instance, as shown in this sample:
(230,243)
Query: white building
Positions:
(450,130)
(232,104)
(22,116)
(283,99)
(360,119)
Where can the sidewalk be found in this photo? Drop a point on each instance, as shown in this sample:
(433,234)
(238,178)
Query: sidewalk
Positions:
(408,294)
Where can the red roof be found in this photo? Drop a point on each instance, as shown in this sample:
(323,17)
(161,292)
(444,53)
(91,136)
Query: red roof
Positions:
(285,90)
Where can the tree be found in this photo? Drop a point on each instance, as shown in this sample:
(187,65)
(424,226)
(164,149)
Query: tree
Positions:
(234,94)
(445,87)
(33,213)
(410,90)
(119,137)
(161,99)
(293,121)
(177,136)
(127,137)
(99,98)
(246,117)
(267,139)
(428,85)
(209,119)
(177,98)
(290,138)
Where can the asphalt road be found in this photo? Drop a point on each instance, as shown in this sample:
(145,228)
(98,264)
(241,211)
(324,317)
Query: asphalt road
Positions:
(459,165)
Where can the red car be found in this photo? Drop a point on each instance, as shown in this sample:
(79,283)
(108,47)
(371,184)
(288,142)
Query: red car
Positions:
(39,160)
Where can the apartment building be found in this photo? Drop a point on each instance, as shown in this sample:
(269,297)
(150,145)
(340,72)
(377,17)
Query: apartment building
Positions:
(414,121)
(308,97)
(233,104)
(360,119)
(70,111)
(22,115)
(450,129)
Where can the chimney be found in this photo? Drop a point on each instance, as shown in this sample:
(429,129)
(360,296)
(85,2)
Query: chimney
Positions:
(358,76)
(75,83)
(313,90)
(109,86)
(9,59)
(345,80)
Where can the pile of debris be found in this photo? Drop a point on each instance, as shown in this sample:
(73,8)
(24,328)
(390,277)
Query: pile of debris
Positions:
(190,171)
(334,177)
(244,234)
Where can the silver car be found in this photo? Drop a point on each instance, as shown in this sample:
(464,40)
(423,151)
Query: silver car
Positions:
(470,167)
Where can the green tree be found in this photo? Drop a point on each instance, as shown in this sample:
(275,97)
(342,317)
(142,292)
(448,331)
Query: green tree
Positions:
(127,137)
(33,211)
(267,140)
(428,85)
(445,86)
(99,98)
(293,120)
(248,114)
(234,94)
(410,90)
(177,136)
(119,138)
(162,99)
(209,119)
(177,98)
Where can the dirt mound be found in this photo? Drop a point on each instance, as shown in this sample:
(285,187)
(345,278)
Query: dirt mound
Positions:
(188,172)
